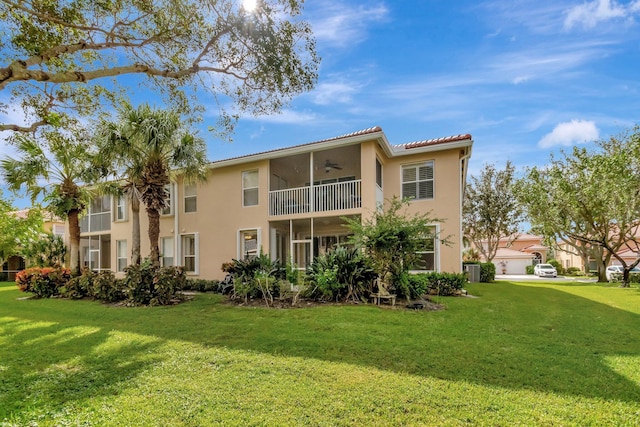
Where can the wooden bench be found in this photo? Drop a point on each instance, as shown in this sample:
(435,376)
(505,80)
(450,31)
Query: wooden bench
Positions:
(382,293)
(378,297)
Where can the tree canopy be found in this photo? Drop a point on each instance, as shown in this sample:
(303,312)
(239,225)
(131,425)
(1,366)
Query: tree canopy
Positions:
(16,231)
(590,197)
(146,149)
(57,166)
(61,56)
(395,239)
(490,210)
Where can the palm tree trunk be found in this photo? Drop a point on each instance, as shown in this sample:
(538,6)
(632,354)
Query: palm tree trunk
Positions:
(154,234)
(135,232)
(74,241)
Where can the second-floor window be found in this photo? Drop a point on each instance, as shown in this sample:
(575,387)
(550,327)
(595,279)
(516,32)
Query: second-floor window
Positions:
(98,217)
(190,198)
(417,181)
(168,210)
(121,208)
(250,188)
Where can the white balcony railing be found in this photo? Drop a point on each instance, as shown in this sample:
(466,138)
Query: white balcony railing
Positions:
(318,198)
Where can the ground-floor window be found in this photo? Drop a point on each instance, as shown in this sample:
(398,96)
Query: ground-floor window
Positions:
(190,252)
(95,252)
(166,251)
(427,256)
(248,244)
(121,254)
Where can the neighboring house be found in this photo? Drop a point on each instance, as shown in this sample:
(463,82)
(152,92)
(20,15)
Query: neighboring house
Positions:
(289,203)
(514,257)
(51,223)
(567,256)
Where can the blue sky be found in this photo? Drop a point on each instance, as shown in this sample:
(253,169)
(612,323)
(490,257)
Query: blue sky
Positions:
(526,77)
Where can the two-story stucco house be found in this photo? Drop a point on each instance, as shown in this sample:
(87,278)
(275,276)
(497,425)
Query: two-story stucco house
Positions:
(288,203)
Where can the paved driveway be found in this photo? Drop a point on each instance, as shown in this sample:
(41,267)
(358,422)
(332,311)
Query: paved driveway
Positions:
(532,277)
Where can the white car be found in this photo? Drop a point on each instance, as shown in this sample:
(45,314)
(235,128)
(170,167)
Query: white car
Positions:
(545,270)
(612,269)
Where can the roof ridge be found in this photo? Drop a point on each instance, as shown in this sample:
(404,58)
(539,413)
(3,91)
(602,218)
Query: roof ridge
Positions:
(434,141)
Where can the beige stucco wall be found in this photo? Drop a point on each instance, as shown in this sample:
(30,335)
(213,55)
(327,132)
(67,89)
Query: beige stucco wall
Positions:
(220,214)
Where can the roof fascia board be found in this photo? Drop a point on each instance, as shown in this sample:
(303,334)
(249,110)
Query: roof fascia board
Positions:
(305,148)
(434,147)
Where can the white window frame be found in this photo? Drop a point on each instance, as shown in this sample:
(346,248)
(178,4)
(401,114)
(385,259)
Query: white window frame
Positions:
(163,247)
(120,256)
(196,255)
(120,201)
(192,187)
(256,188)
(240,247)
(436,251)
(418,181)
(171,199)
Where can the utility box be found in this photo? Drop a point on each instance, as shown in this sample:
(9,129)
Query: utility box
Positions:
(473,272)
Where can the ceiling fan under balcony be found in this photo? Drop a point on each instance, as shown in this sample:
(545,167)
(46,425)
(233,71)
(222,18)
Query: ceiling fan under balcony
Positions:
(328,165)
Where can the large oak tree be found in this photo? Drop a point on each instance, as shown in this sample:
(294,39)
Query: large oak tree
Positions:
(490,211)
(591,197)
(59,56)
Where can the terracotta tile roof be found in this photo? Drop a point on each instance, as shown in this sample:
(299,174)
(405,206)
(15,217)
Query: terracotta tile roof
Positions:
(435,141)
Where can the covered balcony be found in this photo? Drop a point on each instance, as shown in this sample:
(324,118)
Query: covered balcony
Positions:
(321,181)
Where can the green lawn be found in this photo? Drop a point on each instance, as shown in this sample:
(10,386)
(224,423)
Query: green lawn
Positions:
(520,354)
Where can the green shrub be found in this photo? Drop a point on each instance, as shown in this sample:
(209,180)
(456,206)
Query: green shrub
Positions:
(139,283)
(633,278)
(105,287)
(340,274)
(201,285)
(529,269)
(574,271)
(43,282)
(79,286)
(418,284)
(435,283)
(168,282)
(487,272)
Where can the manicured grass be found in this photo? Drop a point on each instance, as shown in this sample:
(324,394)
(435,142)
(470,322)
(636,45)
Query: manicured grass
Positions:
(520,354)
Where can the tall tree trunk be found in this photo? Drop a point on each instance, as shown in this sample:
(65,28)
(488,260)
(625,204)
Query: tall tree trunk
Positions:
(154,234)
(135,232)
(74,241)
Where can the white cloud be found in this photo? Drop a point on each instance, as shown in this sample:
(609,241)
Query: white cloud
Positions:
(334,92)
(344,25)
(588,15)
(570,133)
(285,117)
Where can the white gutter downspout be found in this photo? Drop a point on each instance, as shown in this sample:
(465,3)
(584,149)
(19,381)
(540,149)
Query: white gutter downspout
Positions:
(176,223)
(467,156)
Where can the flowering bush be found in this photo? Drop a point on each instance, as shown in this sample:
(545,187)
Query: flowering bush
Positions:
(43,282)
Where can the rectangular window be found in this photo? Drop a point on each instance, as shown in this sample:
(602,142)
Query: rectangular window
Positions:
(248,247)
(190,198)
(168,209)
(190,253)
(250,188)
(98,217)
(121,254)
(427,255)
(121,208)
(378,173)
(166,251)
(417,181)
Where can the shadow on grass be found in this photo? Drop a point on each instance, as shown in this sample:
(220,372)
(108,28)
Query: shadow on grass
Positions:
(514,336)
(46,365)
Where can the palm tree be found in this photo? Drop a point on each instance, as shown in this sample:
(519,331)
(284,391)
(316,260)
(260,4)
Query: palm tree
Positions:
(148,147)
(57,168)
